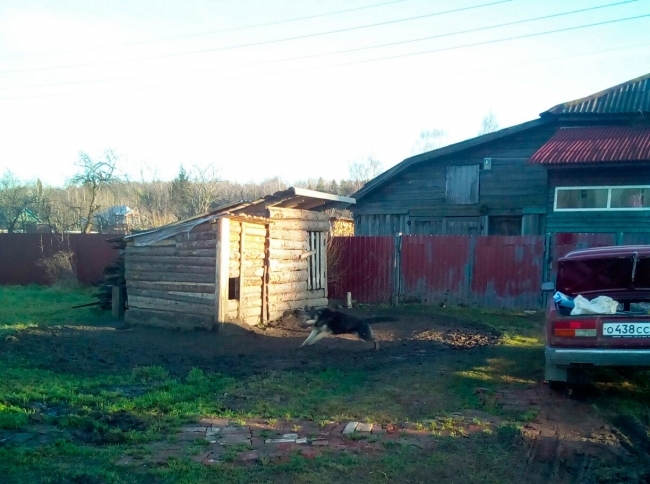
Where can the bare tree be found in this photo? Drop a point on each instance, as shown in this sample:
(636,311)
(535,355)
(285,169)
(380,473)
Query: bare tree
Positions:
(363,171)
(94,177)
(489,124)
(428,141)
(16,200)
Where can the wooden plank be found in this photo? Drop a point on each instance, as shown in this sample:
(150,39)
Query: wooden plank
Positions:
(242,261)
(169,320)
(255,246)
(168,268)
(149,251)
(287,265)
(222,272)
(252,320)
(235,228)
(197,244)
(290,305)
(305,296)
(309,225)
(205,288)
(256,230)
(288,276)
(191,237)
(278,213)
(194,261)
(252,281)
(285,254)
(298,235)
(195,253)
(323,262)
(249,313)
(194,298)
(254,254)
(288,244)
(142,302)
(312,268)
(233,307)
(132,275)
(288,287)
(255,239)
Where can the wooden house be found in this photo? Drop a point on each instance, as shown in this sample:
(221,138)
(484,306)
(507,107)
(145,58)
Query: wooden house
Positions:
(502,183)
(247,262)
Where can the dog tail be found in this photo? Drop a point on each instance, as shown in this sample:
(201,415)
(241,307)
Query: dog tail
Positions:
(380,319)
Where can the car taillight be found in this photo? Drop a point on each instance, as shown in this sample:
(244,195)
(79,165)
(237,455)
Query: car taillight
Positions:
(574,329)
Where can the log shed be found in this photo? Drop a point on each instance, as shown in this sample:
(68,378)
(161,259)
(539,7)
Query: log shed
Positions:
(246,262)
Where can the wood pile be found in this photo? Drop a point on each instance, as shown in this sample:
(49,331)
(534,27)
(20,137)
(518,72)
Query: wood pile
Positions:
(113,276)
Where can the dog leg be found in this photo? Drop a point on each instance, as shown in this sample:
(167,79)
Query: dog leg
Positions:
(315,336)
(376,344)
(310,338)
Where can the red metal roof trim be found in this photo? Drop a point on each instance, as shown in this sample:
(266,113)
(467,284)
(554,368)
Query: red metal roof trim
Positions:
(595,145)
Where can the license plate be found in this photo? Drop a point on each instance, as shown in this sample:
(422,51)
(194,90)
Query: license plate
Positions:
(627,330)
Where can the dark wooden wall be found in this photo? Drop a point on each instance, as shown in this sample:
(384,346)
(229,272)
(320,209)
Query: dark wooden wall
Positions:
(605,221)
(417,195)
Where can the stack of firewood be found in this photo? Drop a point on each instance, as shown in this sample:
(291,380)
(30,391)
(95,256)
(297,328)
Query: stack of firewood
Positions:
(113,276)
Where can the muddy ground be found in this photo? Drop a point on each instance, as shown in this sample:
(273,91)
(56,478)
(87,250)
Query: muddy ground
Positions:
(561,442)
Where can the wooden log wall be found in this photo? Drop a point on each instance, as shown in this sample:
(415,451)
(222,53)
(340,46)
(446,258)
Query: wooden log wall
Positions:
(246,267)
(171,283)
(289,247)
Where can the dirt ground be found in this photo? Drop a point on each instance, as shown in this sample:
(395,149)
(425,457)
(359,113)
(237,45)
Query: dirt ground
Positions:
(562,441)
(236,349)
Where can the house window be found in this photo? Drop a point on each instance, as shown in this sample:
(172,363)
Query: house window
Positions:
(316,270)
(462,184)
(572,199)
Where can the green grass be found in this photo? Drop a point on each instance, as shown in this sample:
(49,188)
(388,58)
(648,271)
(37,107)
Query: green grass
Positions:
(34,306)
(108,414)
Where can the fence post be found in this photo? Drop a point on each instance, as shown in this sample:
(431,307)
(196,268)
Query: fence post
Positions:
(397,268)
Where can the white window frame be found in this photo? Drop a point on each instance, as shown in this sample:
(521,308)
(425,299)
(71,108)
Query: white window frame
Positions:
(609,199)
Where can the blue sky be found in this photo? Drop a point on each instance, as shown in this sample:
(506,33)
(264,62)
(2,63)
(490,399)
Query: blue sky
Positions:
(168,82)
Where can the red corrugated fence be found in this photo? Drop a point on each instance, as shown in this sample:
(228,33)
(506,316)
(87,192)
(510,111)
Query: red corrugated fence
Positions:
(20,255)
(494,271)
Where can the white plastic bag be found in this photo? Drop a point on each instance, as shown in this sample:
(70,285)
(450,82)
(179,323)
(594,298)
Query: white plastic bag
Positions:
(599,305)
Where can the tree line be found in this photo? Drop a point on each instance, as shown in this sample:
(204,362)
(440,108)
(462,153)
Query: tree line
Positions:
(95,198)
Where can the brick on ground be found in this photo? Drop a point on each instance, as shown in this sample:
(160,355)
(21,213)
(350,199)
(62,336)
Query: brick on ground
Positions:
(350,428)
(214,422)
(364,427)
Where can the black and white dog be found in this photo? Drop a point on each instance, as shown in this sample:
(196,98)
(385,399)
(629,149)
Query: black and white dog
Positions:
(327,322)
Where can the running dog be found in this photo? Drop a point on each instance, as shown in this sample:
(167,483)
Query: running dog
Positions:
(327,322)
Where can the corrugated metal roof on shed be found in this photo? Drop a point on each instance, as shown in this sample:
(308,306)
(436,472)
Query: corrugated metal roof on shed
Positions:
(595,145)
(630,97)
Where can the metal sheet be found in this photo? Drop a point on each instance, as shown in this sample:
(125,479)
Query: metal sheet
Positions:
(435,269)
(362,266)
(595,145)
(630,97)
(507,272)
(20,255)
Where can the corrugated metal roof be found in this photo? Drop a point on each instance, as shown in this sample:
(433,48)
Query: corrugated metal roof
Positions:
(630,97)
(595,145)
